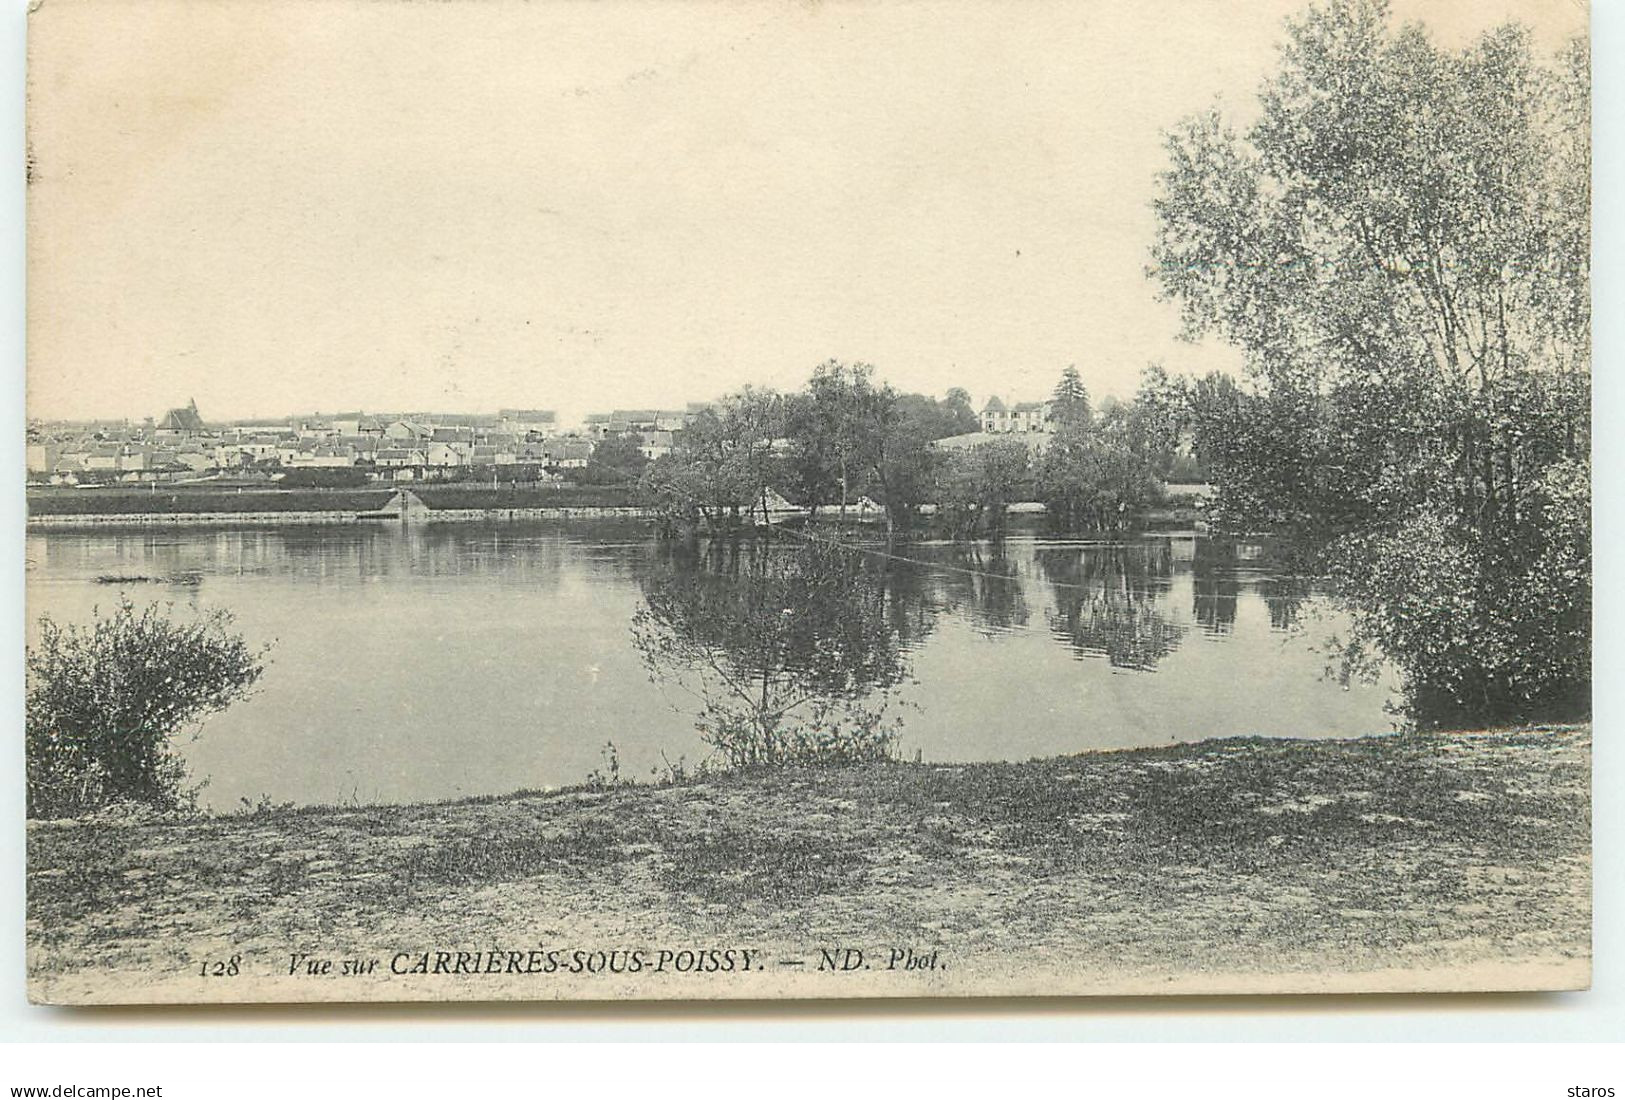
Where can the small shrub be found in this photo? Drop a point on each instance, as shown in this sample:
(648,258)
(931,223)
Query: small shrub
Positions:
(105,701)
(610,774)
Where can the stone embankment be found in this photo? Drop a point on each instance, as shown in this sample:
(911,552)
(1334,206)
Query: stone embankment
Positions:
(295,518)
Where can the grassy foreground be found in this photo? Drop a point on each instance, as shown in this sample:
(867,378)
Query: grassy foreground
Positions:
(1440,861)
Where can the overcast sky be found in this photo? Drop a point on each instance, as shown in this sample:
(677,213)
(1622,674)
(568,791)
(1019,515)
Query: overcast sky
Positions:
(301,206)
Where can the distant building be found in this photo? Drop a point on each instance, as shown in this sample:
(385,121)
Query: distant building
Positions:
(655,444)
(400,457)
(449,452)
(183,421)
(543,422)
(408,431)
(569,454)
(1025,416)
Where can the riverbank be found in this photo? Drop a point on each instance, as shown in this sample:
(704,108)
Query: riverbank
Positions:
(198,505)
(1417,862)
(295,518)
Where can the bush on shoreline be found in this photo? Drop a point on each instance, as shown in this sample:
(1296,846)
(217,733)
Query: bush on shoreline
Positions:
(106,700)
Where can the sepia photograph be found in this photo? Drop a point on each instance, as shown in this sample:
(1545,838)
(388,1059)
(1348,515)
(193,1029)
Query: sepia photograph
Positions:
(781,499)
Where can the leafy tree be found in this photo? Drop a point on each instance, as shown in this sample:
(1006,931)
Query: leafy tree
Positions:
(1091,479)
(828,445)
(722,466)
(936,419)
(960,413)
(105,702)
(1400,244)
(976,486)
(813,462)
(616,460)
(1161,415)
(863,437)
(901,462)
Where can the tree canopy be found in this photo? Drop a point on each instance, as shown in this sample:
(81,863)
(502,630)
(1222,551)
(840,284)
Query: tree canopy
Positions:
(1400,244)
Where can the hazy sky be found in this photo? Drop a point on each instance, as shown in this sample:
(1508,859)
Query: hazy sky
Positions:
(280,207)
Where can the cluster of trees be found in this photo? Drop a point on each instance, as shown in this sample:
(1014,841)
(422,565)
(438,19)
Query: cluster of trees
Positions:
(1400,244)
(1102,469)
(841,437)
(616,460)
(845,436)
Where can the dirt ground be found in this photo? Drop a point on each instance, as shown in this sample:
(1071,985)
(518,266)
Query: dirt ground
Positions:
(1407,862)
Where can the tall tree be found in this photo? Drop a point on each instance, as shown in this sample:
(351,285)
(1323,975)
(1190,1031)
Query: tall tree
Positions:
(1400,244)
(975,487)
(723,464)
(616,460)
(857,436)
(961,413)
(1070,403)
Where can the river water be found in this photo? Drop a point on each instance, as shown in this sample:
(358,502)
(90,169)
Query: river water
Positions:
(434,662)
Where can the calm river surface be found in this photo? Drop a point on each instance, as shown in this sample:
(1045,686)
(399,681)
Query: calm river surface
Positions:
(437,662)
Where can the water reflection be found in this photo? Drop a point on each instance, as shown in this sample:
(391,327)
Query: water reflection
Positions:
(366,552)
(983,583)
(444,661)
(1107,602)
(1215,586)
(1285,597)
(788,653)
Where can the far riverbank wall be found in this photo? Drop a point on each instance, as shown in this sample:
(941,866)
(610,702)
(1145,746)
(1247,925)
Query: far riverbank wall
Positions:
(306,519)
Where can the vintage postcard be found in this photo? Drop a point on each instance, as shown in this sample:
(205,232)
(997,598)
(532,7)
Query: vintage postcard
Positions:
(768,499)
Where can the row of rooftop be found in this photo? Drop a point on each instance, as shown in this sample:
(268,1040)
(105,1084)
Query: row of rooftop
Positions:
(181,445)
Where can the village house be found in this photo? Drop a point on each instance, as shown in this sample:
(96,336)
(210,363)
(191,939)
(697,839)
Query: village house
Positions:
(540,422)
(569,454)
(408,431)
(447,455)
(324,456)
(353,425)
(400,457)
(1025,416)
(655,444)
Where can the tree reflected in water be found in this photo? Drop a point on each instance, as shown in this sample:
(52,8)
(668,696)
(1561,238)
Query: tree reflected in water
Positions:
(984,584)
(1215,587)
(1285,597)
(1106,602)
(790,653)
